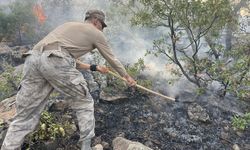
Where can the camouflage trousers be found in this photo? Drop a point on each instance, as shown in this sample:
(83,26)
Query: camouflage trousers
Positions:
(43,72)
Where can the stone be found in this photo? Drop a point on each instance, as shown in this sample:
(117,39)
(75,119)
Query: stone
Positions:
(71,129)
(97,140)
(191,138)
(4,48)
(105,145)
(97,147)
(120,134)
(7,109)
(59,105)
(110,97)
(171,132)
(236,147)
(197,113)
(120,143)
(224,135)
(247,146)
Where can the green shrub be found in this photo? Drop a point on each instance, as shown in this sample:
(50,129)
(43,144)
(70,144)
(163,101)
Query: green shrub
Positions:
(241,123)
(48,129)
(8,82)
(114,84)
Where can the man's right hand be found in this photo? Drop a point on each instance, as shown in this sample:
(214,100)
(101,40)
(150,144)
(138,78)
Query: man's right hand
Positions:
(130,80)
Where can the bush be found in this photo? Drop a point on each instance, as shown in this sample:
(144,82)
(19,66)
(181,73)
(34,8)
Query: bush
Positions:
(8,82)
(17,20)
(114,84)
(48,129)
(241,123)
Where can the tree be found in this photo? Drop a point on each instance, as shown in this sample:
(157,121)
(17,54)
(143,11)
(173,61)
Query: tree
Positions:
(188,26)
(187,21)
(16,19)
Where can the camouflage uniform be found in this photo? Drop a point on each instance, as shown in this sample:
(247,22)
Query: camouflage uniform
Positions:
(51,65)
(43,72)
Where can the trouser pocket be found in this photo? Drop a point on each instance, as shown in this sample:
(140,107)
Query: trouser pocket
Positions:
(80,83)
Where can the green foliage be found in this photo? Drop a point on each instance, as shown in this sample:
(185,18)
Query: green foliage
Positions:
(54,95)
(48,129)
(241,123)
(200,91)
(186,21)
(233,72)
(134,70)
(188,24)
(9,82)
(17,19)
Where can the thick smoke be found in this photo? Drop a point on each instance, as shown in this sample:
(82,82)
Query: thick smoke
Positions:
(128,43)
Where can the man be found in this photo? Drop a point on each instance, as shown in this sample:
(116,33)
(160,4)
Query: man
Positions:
(52,65)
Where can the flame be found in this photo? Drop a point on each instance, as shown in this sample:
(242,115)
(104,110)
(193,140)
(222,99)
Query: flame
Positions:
(39,13)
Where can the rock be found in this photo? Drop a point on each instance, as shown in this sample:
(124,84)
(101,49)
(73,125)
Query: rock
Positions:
(171,132)
(191,138)
(247,146)
(236,147)
(71,129)
(7,109)
(149,143)
(59,105)
(18,70)
(4,48)
(97,140)
(197,113)
(12,55)
(239,133)
(97,147)
(19,50)
(120,143)
(120,134)
(105,145)
(112,97)
(224,135)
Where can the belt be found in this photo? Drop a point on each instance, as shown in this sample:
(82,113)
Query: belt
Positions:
(56,46)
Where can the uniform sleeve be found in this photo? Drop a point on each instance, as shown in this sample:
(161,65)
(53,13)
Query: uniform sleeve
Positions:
(105,50)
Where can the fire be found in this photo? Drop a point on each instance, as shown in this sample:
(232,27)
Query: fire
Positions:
(39,13)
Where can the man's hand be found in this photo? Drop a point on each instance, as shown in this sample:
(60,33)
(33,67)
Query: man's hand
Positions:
(102,69)
(130,80)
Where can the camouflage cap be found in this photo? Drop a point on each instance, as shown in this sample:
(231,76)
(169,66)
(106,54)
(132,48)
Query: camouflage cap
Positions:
(97,14)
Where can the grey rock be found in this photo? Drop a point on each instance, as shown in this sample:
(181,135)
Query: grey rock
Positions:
(197,113)
(97,147)
(113,97)
(120,143)
(236,147)
(171,132)
(191,138)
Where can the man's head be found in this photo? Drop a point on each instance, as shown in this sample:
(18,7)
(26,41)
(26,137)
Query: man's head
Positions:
(96,17)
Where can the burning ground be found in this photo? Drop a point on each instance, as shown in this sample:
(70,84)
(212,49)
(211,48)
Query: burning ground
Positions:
(194,122)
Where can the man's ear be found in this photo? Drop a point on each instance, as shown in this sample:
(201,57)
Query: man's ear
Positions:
(95,22)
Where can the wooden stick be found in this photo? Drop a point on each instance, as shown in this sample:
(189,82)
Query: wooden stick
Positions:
(141,87)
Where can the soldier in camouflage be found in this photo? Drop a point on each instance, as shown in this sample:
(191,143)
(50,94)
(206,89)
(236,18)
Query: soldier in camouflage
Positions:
(52,64)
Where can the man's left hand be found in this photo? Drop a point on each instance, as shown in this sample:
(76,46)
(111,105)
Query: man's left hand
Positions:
(102,69)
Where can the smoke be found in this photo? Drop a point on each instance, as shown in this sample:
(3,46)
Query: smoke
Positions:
(128,43)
